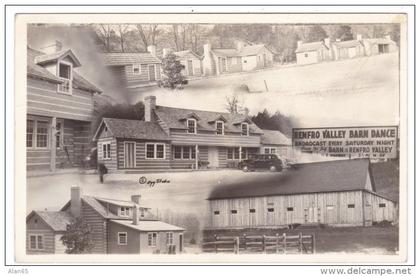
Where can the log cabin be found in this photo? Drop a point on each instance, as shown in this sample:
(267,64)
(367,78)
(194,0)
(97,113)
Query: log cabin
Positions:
(246,56)
(313,52)
(336,193)
(176,138)
(117,227)
(135,69)
(190,60)
(60,107)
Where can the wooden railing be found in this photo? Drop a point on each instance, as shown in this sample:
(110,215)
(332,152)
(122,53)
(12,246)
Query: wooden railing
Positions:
(279,244)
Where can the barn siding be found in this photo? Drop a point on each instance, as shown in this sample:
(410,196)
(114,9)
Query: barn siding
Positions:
(327,208)
(98,227)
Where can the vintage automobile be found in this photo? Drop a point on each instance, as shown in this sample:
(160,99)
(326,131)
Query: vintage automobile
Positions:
(262,162)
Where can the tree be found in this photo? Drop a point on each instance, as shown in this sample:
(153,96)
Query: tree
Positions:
(234,105)
(277,121)
(313,33)
(122,31)
(105,33)
(344,32)
(171,69)
(78,238)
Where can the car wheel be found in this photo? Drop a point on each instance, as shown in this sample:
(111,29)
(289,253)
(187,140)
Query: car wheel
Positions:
(273,168)
(245,168)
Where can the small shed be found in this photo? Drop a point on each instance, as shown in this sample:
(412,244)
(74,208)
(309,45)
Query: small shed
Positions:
(275,142)
(339,193)
(191,62)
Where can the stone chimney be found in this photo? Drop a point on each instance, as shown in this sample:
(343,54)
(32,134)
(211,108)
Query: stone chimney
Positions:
(149,106)
(136,199)
(388,37)
(152,50)
(327,42)
(135,214)
(359,37)
(54,47)
(299,43)
(75,201)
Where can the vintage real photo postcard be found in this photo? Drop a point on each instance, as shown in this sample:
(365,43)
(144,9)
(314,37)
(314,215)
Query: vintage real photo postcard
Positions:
(211,137)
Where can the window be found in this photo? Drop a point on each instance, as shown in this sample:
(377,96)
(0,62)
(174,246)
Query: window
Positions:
(141,212)
(29,133)
(306,55)
(65,74)
(252,210)
(42,135)
(245,129)
(155,151)
(233,211)
(122,238)
(245,61)
(351,206)
(136,69)
(382,205)
(220,128)
(289,209)
(187,152)
(36,242)
(177,152)
(216,212)
(270,150)
(125,211)
(270,210)
(244,153)
(233,153)
(106,150)
(192,125)
(151,239)
(59,134)
(169,238)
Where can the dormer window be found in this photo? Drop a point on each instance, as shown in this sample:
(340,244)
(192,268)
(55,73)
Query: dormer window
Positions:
(245,129)
(125,211)
(220,128)
(65,74)
(192,126)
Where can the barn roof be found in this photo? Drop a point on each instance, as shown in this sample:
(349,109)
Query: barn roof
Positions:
(120,59)
(309,47)
(57,220)
(149,225)
(173,118)
(133,129)
(36,70)
(330,176)
(274,137)
(386,177)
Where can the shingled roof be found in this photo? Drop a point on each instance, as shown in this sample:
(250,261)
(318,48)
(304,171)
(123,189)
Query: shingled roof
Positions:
(348,43)
(133,129)
(121,59)
(250,50)
(311,46)
(173,118)
(57,220)
(37,71)
(330,176)
(274,137)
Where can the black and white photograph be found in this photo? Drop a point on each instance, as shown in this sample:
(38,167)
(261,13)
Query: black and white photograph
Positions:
(211,137)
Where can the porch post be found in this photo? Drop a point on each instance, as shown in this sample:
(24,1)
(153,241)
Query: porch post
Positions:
(196,157)
(53,147)
(240,153)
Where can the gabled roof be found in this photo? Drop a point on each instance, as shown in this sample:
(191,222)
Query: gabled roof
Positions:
(57,220)
(46,58)
(37,71)
(121,59)
(250,50)
(330,176)
(171,117)
(133,129)
(119,202)
(386,177)
(348,43)
(225,52)
(275,137)
(149,225)
(186,54)
(311,46)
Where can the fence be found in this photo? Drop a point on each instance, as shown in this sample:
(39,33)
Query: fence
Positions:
(279,244)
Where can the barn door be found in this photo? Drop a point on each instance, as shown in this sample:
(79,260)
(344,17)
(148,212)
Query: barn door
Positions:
(368,215)
(129,154)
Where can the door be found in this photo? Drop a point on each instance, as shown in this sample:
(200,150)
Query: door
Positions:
(129,154)
(152,73)
(190,68)
(264,60)
(331,215)
(213,157)
(311,215)
(368,215)
(181,242)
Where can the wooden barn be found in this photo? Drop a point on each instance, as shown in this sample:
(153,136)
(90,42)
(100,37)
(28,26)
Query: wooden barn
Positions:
(60,107)
(135,69)
(337,193)
(117,227)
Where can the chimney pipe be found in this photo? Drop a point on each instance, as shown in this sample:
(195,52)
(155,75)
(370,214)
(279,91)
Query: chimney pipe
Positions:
(152,50)
(136,199)
(75,201)
(299,43)
(149,106)
(135,214)
(52,48)
(359,37)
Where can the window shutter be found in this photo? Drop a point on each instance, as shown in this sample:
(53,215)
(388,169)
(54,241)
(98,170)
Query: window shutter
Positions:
(100,151)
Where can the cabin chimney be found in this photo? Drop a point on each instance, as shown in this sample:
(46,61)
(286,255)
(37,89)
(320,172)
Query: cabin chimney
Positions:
(135,214)
(327,42)
(149,106)
(359,37)
(388,37)
(54,47)
(136,199)
(152,50)
(75,201)
(299,43)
